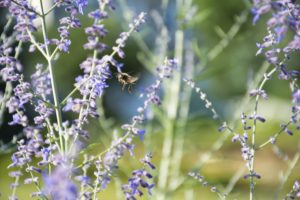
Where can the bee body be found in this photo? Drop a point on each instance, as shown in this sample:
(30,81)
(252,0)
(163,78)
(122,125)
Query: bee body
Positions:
(126,79)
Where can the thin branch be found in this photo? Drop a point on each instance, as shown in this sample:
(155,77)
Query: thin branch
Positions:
(50,9)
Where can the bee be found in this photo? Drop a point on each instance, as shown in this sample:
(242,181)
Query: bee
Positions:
(126,79)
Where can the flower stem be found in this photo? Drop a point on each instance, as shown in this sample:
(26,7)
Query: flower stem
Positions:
(53,83)
(291,166)
(254,130)
(51,9)
(13,194)
(172,110)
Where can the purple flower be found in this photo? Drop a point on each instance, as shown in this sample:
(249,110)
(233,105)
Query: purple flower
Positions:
(294,45)
(147,160)
(121,145)
(68,22)
(4,3)
(81,4)
(11,69)
(24,14)
(121,41)
(94,44)
(141,134)
(285,18)
(31,180)
(139,180)
(295,192)
(58,184)
(223,127)
(13,104)
(23,92)
(296,187)
(138,21)
(102,175)
(285,129)
(296,97)
(92,86)
(268,41)
(64,30)
(44,112)
(19,118)
(261,93)
(73,105)
(15,174)
(96,30)
(41,81)
(258,11)
(64,45)
(280,32)
(235,138)
(98,15)
(253,174)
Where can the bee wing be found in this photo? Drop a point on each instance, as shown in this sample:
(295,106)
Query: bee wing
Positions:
(134,79)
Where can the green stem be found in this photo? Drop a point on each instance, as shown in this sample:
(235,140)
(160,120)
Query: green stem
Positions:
(165,160)
(285,177)
(95,53)
(222,44)
(7,94)
(64,101)
(37,185)
(5,29)
(51,9)
(182,122)
(220,142)
(240,20)
(234,179)
(254,129)
(36,44)
(80,117)
(52,78)
(13,194)
(86,96)
(172,109)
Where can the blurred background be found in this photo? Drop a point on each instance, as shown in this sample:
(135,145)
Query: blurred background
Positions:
(222,40)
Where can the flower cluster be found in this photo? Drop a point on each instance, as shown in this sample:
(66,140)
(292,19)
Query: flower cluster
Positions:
(139,179)
(51,154)
(119,146)
(58,185)
(25,14)
(285,17)
(73,8)
(199,178)
(56,149)
(295,192)
(97,71)
(202,96)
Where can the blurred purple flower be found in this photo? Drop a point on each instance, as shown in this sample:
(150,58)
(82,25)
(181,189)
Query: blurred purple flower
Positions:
(81,4)
(296,97)
(139,180)
(58,184)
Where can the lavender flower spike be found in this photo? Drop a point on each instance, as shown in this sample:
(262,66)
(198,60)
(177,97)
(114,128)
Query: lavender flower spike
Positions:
(139,180)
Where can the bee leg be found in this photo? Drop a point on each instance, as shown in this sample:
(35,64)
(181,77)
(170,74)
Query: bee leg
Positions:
(123,87)
(129,88)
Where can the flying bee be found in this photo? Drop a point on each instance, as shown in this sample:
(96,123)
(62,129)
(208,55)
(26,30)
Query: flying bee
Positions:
(126,79)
